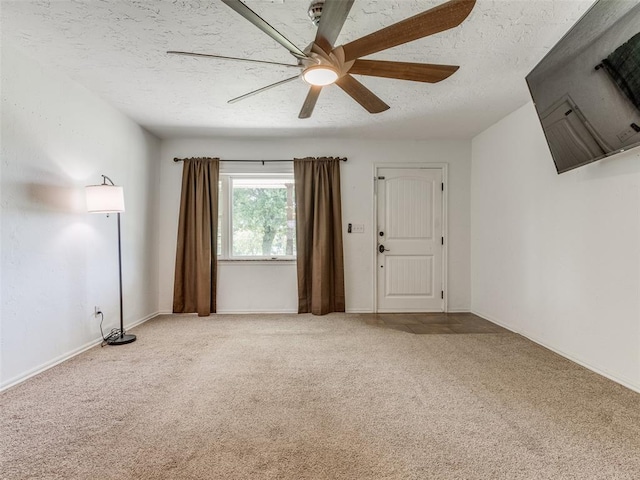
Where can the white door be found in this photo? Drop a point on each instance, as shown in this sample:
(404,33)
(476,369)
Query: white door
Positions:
(410,241)
(569,138)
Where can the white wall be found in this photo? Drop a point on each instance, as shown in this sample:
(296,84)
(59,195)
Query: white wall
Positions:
(557,257)
(266,288)
(58,261)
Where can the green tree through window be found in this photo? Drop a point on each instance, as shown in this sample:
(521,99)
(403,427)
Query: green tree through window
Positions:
(263,217)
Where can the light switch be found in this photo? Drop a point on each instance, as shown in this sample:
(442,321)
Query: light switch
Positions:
(358,228)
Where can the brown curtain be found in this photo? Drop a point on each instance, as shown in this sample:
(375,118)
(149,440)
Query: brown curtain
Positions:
(196,254)
(319,235)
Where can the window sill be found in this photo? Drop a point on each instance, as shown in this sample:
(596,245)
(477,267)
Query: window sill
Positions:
(257,261)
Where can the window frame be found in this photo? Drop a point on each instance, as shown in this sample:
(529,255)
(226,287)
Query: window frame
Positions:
(225,215)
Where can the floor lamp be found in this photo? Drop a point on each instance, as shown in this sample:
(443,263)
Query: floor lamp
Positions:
(109,198)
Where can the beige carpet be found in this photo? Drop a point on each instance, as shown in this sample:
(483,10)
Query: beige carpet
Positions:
(301,397)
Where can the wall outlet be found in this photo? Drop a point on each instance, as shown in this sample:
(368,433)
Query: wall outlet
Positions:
(358,228)
(96,311)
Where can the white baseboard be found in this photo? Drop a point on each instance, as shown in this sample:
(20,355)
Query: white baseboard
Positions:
(625,382)
(12,382)
(142,320)
(254,312)
(236,312)
(458,310)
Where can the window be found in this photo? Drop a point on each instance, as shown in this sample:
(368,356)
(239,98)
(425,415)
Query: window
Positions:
(256,217)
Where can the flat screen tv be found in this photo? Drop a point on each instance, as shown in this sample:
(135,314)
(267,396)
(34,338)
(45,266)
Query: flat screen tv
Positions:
(586,90)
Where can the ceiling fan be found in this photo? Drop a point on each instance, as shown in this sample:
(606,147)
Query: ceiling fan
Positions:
(322,64)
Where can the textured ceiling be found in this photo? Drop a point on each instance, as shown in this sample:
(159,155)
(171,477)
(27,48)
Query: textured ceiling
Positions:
(117,50)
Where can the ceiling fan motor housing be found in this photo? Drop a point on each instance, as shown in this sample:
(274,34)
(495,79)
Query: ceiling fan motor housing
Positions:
(315,11)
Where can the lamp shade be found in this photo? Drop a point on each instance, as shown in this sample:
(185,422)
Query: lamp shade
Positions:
(104,198)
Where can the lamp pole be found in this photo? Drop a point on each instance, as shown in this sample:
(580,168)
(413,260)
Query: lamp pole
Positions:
(122,338)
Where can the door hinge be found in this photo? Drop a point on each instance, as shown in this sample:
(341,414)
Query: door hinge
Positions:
(442,186)
(441,240)
(442,294)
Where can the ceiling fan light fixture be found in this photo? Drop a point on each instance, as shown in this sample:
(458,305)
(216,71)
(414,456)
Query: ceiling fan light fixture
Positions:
(320,75)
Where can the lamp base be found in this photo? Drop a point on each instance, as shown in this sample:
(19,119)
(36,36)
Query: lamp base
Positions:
(121,340)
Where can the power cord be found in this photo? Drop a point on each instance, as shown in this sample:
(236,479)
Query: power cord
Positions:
(114,333)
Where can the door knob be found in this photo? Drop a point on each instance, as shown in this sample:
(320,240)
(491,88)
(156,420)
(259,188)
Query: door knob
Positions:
(381,249)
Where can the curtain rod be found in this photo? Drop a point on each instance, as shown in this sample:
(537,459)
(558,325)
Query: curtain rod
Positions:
(176,159)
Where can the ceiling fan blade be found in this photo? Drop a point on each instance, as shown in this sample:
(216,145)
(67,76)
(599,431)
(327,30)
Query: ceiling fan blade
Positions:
(192,54)
(417,72)
(259,22)
(361,94)
(260,90)
(334,14)
(437,19)
(310,101)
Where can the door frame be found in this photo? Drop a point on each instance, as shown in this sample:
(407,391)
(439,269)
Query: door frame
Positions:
(443,167)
